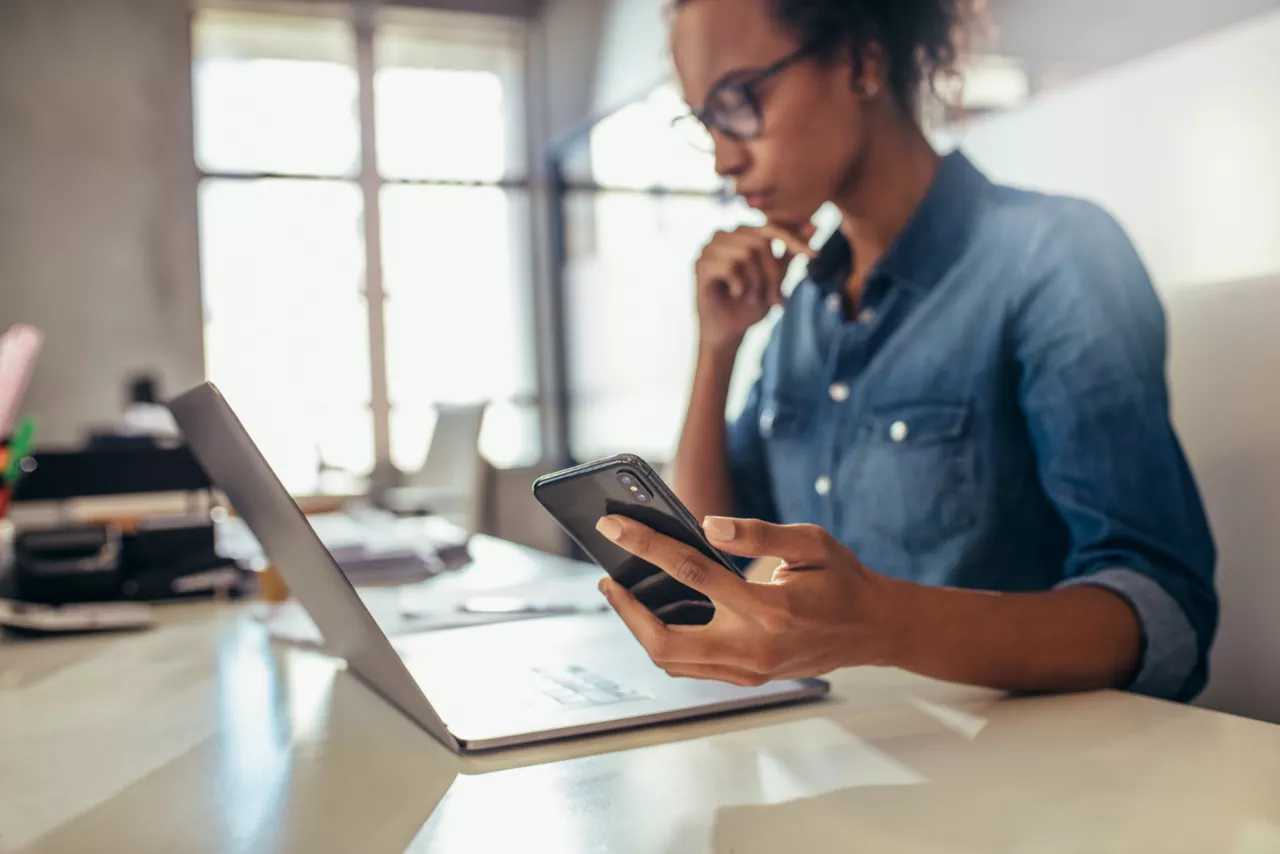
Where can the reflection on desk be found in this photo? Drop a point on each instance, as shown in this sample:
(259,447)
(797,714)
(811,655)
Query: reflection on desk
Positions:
(204,737)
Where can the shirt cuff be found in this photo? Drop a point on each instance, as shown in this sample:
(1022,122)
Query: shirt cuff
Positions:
(1170,650)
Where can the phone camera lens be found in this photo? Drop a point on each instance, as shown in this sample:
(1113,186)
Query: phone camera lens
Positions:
(642,498)
(626,479)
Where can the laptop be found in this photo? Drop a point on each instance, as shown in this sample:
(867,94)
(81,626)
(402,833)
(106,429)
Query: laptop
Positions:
(476,688)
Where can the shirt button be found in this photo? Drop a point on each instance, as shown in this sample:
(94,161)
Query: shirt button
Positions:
(867,315)
(898,432)
(766,421)
(833,303)
(823,486)
(839,392)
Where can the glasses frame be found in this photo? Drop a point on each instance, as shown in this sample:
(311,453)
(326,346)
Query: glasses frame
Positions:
(748,88)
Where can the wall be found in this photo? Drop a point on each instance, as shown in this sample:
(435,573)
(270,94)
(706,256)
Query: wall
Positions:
(1184,148)
(565,58)
(97,200)
(1224,357)
(599,55)
(1179,145)
(634,55)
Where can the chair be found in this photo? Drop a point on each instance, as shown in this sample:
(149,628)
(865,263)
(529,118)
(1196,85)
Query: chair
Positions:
(453,478)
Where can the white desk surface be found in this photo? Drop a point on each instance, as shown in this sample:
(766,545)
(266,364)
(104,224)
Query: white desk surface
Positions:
(202,736)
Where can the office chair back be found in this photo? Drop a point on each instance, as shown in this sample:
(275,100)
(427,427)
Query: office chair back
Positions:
(454,463)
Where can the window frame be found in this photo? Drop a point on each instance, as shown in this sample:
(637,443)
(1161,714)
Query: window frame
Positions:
(484,33)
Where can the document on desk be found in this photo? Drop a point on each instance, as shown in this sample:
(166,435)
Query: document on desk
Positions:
(373,549)
(440,604)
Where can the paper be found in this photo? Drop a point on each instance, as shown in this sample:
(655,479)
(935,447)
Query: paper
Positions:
(18,351)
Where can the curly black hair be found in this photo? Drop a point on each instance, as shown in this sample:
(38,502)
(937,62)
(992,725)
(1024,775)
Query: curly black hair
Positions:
(923,40)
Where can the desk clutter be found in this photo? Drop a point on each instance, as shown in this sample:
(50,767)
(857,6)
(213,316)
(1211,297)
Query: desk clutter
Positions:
(142,524)
(371,547)
(118,525)
(19,349)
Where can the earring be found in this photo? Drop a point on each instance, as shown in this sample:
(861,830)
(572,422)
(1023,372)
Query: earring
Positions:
(871,89)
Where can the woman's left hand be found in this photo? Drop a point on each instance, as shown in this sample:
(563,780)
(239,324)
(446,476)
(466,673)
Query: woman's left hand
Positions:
(823,610)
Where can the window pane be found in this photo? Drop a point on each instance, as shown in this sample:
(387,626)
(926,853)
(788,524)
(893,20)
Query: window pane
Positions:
(286,330)
(637,148)
(632,318)
(447,96)
(440,124)
(458,316)
(275,95)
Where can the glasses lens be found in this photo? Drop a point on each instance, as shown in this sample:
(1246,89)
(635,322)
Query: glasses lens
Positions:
(732,111)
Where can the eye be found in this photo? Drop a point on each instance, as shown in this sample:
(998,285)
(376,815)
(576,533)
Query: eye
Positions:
(732,111)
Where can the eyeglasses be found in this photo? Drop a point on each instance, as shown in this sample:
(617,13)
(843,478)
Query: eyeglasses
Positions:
(733,106)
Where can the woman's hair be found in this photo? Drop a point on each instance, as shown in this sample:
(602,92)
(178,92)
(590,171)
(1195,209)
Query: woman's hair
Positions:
(922,39)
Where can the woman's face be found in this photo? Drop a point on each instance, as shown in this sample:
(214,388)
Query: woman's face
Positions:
(813,120)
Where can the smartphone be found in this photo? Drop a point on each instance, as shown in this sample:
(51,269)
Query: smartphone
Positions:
(626,485)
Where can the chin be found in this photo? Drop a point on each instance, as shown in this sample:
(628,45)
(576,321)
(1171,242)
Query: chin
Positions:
(788,216)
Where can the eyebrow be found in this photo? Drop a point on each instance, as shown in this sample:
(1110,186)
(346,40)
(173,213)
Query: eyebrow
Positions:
(721,81)
(728,76)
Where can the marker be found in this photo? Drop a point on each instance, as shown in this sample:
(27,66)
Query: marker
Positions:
(19,448)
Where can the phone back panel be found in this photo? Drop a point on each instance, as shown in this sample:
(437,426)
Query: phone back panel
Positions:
(579,497)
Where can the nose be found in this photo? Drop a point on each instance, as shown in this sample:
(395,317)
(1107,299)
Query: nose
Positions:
(732,158)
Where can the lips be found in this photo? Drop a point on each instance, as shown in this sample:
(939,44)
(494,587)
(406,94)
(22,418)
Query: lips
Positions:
(755,198)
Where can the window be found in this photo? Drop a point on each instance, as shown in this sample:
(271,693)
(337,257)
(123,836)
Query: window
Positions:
(642,204)
(329,366)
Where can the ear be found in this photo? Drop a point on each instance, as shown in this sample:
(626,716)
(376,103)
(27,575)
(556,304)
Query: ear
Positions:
(871,70)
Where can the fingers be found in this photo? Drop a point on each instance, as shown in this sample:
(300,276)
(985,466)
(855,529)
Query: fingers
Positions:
(717,673)
(648,629)
(796,241)
(738,266)
(683,563)
(775,270)
(684,651)
(744,260)
(753,538)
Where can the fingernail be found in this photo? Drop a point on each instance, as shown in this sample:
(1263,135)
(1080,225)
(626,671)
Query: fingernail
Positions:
(718,528)
(603,587)
(609,527)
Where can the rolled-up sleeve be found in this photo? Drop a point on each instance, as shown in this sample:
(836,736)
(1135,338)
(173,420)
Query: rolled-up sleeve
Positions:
(1090,339)
(1170,652)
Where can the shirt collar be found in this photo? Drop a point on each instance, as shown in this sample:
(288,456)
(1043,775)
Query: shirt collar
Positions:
(934,238)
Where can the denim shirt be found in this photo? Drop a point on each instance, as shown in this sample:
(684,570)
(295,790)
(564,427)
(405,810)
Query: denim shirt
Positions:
(994,417)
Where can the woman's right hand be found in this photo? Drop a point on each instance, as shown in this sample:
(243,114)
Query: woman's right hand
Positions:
(740,279)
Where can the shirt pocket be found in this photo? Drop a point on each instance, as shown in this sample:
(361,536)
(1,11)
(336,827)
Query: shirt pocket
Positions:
(783,419)
(786,428)
(913,475)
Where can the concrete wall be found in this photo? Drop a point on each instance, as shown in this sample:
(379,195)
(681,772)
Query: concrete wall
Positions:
(1184,148)
(97,200)
(598,55)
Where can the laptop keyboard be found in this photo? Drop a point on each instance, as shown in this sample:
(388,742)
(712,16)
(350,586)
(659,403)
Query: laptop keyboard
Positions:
(577,686)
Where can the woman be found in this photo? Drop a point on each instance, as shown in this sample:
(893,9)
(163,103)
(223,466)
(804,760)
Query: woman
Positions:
(965,400)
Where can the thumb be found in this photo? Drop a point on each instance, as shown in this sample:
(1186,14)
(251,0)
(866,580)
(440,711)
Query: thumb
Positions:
(754,538)
(796,244)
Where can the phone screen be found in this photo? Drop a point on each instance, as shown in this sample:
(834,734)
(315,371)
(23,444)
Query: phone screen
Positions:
(626,486)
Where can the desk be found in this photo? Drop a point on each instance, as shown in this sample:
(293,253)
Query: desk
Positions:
(202,736)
